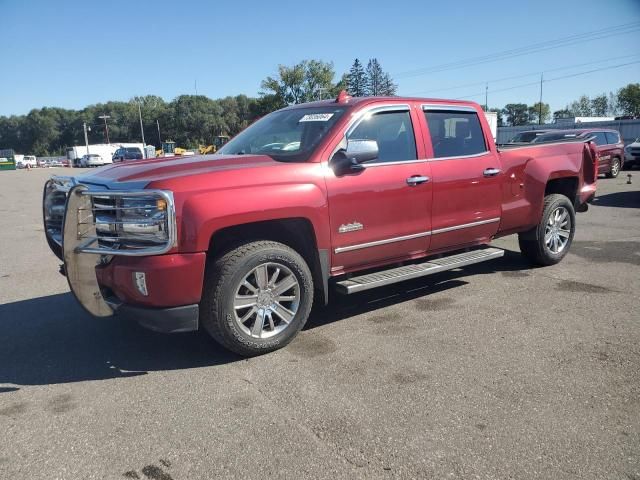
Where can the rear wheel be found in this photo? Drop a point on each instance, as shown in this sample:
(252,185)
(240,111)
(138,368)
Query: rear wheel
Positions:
(615,168)
(256,297)
(549,242)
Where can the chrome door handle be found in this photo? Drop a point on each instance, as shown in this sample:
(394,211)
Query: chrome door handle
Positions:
(491,172)
(417,180)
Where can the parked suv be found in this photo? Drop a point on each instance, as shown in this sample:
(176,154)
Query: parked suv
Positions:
(632,156)
(608,143)
(127,153)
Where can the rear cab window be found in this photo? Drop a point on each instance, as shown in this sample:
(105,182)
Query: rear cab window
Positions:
(455,133)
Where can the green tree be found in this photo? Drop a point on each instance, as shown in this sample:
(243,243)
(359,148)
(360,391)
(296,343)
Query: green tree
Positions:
(581,107)
(535,110)
(516,114)
(304,82)
(564,113)
(600,105)
(389,88)
(629,99)
(375,78)
(357,80)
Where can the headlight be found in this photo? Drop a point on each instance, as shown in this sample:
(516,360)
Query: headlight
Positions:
(131,223)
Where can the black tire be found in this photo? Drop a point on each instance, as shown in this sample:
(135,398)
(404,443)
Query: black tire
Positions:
(532,243)
(615,168)
(223,277)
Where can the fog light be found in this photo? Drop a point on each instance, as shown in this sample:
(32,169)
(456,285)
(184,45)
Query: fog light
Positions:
(140,281)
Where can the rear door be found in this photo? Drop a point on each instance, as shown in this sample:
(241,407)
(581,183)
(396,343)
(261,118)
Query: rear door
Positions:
(467,177)
(382,213)
(604,162)
(615,146)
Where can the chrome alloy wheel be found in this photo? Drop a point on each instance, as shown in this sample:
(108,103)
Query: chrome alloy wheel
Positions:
(558,230)
(266,300)
(615,168)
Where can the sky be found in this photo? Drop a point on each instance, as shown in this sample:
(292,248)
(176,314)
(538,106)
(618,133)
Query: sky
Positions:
(70,54)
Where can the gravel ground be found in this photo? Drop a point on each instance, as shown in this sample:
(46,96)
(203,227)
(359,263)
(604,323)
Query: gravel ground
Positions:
(494,371)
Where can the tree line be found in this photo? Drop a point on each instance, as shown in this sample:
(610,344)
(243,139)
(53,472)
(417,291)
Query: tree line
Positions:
(189,120)
(193,120)
(626,101)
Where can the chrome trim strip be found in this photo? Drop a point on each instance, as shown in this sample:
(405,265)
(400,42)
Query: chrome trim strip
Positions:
(461,157)
(399,162)
(376,243)
(465,225)
(448,107)
(349,248)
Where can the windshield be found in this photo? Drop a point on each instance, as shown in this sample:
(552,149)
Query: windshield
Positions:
(285,135)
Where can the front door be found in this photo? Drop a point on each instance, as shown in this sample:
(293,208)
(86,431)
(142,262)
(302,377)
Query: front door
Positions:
(381,213)
(467,178)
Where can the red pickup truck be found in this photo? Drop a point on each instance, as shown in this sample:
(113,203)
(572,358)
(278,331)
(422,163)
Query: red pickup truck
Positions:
(341,195)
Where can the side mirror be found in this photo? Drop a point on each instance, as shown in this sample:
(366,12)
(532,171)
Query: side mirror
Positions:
(349,160)
(362,150)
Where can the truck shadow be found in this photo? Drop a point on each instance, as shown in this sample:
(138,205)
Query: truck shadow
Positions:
(50,340)
(619,199)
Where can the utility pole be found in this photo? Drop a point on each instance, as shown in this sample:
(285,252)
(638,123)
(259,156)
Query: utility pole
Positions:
(540,104)
(195,86)
(141,127)
(106,126)
(86,139)
(486,97)
(159,137)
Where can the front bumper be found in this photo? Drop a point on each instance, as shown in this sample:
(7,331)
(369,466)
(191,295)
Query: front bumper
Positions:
(105,285)
(163,320)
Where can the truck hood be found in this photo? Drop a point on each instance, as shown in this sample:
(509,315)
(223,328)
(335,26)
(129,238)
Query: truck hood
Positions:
(139,173)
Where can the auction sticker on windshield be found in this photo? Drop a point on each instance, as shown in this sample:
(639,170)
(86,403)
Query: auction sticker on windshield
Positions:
(316,117)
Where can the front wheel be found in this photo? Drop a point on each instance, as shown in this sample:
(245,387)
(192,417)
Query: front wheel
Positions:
(615,168)
(256,297)
(549,242)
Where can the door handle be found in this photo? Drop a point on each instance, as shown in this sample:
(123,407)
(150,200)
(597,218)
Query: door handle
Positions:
(491,172)
(417,180)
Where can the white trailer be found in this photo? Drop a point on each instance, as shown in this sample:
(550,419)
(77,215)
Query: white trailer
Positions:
(492,118)
(105,150)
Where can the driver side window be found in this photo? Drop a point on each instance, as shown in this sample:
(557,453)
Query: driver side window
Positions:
(393,131)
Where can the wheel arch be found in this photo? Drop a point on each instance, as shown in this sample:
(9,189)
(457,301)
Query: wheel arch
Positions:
(295,232)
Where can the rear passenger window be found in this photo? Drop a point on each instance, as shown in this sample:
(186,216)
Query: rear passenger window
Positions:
(394,133)
(599,138)
(612,137)
(455,133)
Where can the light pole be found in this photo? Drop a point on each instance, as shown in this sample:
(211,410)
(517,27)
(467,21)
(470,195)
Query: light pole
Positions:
(86,138)
(106,127)
(141,127)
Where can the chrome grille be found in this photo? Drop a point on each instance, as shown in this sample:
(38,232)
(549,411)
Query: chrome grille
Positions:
(109,222)
(53,205)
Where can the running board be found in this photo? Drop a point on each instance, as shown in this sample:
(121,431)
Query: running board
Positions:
(407,272)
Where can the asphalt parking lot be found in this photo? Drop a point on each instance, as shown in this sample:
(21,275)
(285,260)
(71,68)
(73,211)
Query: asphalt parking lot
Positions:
(494,371)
